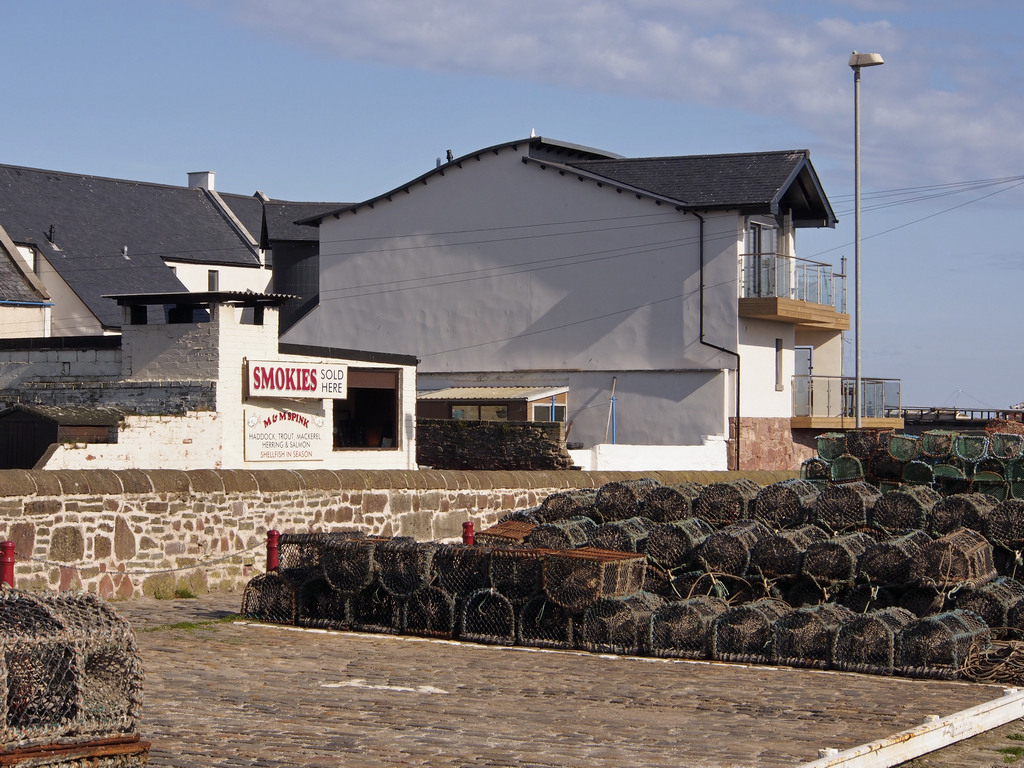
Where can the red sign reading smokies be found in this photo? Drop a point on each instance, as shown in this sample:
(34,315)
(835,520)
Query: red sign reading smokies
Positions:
(277,378)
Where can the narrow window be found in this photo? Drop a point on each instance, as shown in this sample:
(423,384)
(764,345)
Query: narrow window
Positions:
(213,280)
(779,387)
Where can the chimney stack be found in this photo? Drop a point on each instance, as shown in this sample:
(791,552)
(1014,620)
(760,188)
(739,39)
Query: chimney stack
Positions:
(201,180)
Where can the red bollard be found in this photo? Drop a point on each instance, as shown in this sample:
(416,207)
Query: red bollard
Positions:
(7,563)
(272,537)
(467,533)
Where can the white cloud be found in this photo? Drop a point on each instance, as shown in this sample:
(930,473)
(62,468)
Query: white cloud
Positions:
(786,64)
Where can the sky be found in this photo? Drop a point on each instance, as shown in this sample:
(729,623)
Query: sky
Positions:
(342,100)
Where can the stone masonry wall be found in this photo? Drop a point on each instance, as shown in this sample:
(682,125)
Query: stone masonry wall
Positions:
(125,533)
(770,444)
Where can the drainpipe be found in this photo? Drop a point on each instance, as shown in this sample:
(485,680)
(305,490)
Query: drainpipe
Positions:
(715,346)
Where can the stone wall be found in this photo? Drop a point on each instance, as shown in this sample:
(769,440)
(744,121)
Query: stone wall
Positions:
(770,444)
(510,445)
(125,533)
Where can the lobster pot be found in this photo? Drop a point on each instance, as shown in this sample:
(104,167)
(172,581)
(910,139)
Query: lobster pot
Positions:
(527,515)
(834,561)
(889,562)
(883,468)
(621,500)
(569,533)
(922,599)
(963,510)
(727,551)
(348,564)
(666,503)
(918,473)
(846,469)
(845,506)
(1006,524)
(937,444)
(830,445)
(957,558)
(1015,616)
(1006,447)
(317,605)
(404,565)
(488,617)
(990,484)
(804,638)
(110,682)
(903,447)
(268,597)
(867,643)
(805,592)
(727,502)
(375,610)
(673,544)
(951,480)
(778,555)
(618,624)
(507,533)
(814,470)
(745,632)
(578,502)
(298,554)
(682,628)
(993,465)
(461,569)
(991,602)
(517,574)
(905,508)
(862,443)
(970,448)
(861,598)
(940,646)
(623,535)
(543,624)
(579,578)
(785,504)
(699,584)
(429,612)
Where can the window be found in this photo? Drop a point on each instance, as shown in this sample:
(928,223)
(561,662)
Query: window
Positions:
(370,417)
(779,383)
(213,280)
(543,413)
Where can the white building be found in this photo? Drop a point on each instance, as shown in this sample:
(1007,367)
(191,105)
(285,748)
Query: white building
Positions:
(660,297)
(199,380)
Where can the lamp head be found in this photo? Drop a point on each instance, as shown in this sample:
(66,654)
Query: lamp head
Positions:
(858,60)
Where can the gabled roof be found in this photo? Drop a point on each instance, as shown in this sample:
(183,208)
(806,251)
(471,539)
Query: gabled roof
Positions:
(15,288)
(101,233)
(536,146)
(767,183)
(280,220)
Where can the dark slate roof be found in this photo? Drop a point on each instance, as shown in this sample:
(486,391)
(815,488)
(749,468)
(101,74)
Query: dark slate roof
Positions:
(280,220)
(751,182)
(248,209)
(15,288)
(94,218)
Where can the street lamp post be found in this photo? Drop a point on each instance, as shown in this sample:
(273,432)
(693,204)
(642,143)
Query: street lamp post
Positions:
(857,61)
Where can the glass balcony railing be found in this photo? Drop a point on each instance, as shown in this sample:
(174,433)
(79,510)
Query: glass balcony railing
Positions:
(832,396)
(788,277)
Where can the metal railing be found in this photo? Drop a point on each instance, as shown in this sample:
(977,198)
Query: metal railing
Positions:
(832,396)
(789,277)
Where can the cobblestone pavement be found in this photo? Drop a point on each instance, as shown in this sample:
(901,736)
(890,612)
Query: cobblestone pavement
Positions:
(226,693)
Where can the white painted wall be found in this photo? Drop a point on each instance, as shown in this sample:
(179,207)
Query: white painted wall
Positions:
(710,455)
(758,395)
(69,315)
(23,322)
(196,276)
(518,272)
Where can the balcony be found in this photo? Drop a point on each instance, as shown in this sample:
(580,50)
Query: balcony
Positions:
(791,290)
(826,402)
